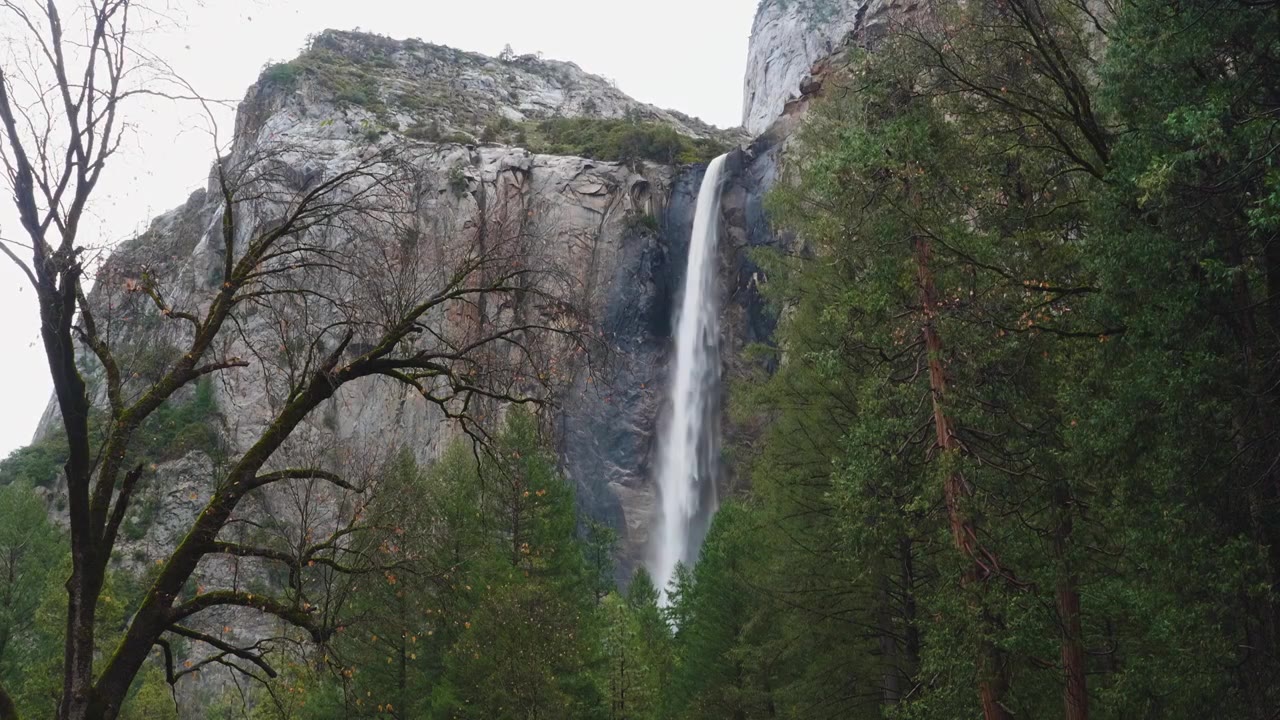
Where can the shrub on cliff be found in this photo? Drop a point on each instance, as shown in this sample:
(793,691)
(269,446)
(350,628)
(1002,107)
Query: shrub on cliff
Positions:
(620,141)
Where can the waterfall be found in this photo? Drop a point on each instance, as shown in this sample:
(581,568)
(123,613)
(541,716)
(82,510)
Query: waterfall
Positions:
(689,443)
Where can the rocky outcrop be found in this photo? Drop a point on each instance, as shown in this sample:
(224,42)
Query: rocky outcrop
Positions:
(616,234)
(790,37)
(787,38)
(435,92)
(619,233)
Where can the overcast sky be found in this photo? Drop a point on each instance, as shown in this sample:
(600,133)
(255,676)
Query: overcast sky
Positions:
(686,55)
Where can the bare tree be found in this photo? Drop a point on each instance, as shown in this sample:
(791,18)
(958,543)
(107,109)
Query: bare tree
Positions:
(316,280)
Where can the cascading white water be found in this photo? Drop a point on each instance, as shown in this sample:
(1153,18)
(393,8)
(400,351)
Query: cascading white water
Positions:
(689,444)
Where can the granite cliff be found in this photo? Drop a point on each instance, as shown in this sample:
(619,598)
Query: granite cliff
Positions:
(790,37)
(474,130)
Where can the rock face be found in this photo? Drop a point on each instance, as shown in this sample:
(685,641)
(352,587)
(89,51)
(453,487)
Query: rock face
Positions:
(616,233)
(435,92)
(789,37)
(620,234)
(609,420)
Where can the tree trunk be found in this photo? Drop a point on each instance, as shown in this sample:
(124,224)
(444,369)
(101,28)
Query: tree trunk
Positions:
(7,710)
(993,672)
(911,633)
(82,599)
(57,310)
(402,676)
(890,672)
(1255,422)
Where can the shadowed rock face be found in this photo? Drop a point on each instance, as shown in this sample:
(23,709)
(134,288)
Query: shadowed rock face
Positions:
(609,419)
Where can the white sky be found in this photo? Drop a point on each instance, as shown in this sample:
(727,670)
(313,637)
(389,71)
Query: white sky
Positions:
(685,55)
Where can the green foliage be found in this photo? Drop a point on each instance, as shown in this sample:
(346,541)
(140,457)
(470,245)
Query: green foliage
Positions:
(1060,269)
(348,80)
(37,650)
(458,137)
(141,516)
(654,633)
(499,128)
(284,74)
(429,132)
(432,132)
(488,607)
(619,141)
(723,655)
(526,635)
(29,556)
(643,223)
(150,698)
(600,544)
(179,427)
(301,692)
(175,429)
(37,464)
(459,183)
(628,682)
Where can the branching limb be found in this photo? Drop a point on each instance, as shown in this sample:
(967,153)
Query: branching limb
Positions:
(88,331)
(169,675)
(302,618)
(253,654)
(214,367)
(300,474)
(153,292)
(26,270)
(324,554)
(247,551)
(122,505)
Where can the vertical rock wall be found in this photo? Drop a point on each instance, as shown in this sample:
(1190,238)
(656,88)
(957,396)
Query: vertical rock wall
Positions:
(790,37)
(787,38)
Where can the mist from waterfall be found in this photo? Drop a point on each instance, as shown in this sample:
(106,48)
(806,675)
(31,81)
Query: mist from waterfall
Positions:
(689,441)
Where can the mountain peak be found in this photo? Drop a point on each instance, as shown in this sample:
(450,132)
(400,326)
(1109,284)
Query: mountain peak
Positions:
(436,92)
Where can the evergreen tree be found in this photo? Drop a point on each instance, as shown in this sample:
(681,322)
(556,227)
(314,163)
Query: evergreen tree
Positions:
(654,634)
(29,555)
(977,315)
(724,667)
(628,683)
